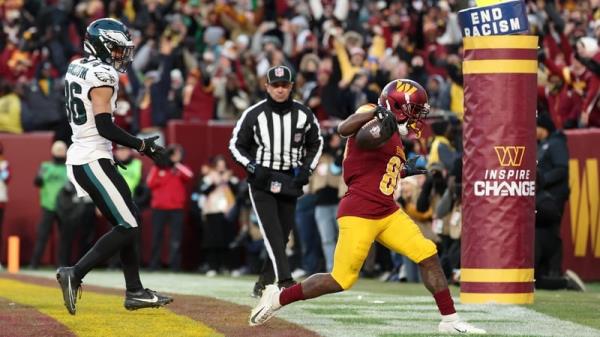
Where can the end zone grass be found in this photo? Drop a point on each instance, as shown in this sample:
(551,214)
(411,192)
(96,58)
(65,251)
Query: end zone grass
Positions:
(577,307)
(99,319)
(371,308)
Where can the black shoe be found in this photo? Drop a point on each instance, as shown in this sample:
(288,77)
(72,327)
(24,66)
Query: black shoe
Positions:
(258,290)
(286,284)
(145,298)
(70,286)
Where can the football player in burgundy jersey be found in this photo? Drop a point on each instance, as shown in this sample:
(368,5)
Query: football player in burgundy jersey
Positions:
(368,211)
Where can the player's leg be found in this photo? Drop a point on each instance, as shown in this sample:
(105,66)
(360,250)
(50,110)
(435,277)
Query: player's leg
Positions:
(355,238)
(93,181)
(266,277)
(127,215)
(110,194)
(286,209)
(403,236)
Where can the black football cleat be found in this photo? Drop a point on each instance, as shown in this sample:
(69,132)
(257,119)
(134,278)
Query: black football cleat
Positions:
(145,298)
(258,290)
(286,284)
(70,286)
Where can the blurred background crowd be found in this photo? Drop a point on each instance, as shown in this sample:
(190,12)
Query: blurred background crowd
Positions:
(200,60)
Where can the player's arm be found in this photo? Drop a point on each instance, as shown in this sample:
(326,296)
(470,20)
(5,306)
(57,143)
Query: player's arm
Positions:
(351,125)
(100,97)
(242,139)
(313,145)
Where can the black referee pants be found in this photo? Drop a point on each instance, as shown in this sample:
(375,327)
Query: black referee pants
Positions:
(276,215)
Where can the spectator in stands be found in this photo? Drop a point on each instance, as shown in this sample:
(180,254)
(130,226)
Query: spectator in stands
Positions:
(44,101)
(326,180)
(161,99)
(51,177)
(441,150)
(306,235)
(325,98)
(169,196)
(438,91)
(431,192)
(410,189)
(198,100)
(10,109)
(4,179)
(587,48)
(449,210)
(218,190)
(232,100)
(552,193)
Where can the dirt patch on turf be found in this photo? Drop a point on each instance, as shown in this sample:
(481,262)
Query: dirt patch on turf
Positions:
(232,319)
(227,318)
(22,321)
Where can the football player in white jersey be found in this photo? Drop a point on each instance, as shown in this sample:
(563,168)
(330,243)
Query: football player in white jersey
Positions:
(91,86)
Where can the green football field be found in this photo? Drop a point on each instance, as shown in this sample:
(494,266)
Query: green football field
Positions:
(371,308)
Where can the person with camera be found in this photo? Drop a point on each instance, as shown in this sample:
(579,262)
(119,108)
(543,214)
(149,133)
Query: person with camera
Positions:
(278,141)
(166,181)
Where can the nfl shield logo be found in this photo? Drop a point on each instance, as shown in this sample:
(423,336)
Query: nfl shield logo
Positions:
(297,137)
(278,72)
(275,187)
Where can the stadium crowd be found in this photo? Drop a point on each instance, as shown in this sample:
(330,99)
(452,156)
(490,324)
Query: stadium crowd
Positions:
(200,60)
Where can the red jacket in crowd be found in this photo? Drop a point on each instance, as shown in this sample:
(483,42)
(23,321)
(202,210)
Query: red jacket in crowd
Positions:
(168,186)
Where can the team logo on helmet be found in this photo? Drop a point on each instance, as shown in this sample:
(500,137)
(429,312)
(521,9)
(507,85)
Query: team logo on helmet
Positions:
(115,36)
(109,41)
(405,88)
(408,101)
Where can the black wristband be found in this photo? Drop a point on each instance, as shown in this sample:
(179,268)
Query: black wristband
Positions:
(108,129)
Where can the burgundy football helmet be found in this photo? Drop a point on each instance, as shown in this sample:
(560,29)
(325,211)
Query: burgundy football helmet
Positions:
(408,101)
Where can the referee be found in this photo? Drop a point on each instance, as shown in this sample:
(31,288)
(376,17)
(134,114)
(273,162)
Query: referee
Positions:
(279,143)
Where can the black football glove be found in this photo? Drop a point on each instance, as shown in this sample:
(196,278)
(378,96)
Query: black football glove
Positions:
(387,120)
(410,168)
(301,177)
(157,153)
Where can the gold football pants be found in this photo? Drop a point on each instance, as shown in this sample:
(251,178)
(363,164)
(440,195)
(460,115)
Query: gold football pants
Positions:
(397,232)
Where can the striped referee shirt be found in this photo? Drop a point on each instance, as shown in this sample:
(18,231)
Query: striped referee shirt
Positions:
(277,140)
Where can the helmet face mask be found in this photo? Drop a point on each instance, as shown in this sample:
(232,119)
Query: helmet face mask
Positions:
(408,101)
(109,41)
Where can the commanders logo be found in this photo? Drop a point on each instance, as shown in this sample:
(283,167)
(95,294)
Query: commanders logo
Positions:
(405,88)
(510,179)
(510,155)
